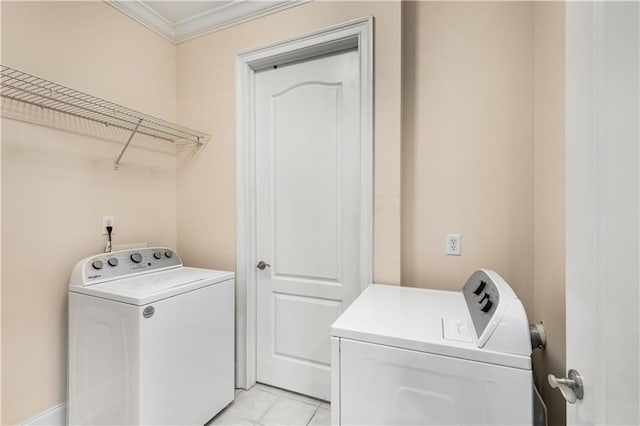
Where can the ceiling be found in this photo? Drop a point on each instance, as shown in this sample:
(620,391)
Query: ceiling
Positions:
(178,21)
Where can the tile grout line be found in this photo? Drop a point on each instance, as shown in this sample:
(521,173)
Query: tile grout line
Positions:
(240,416)
(280,396)
(270,407)
(313,415)
(287,396)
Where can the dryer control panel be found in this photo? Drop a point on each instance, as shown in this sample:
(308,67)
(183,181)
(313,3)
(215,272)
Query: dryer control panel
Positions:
(483,298)
(497,315)
(122,264)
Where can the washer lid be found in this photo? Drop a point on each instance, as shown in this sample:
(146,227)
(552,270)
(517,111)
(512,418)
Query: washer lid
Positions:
(431,321)
(151,287)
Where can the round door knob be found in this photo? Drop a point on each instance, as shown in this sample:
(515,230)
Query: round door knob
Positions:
(262,264)
(97,264)
(157,255)
(571,387)
(112,261)
(136,257)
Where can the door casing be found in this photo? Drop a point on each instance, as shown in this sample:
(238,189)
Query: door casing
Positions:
(357,34)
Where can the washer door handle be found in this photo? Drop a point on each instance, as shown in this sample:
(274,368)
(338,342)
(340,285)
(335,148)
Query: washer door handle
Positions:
(262,264)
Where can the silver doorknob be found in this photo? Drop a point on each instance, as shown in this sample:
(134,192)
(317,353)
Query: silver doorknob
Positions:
(571,388)
(262,265)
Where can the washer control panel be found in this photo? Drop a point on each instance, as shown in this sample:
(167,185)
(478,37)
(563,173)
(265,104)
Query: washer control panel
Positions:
(121,264)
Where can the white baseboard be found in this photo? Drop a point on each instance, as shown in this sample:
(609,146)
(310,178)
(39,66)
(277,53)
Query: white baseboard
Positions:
(56,416)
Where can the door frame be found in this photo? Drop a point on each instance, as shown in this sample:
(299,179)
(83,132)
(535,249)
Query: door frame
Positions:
(355,34)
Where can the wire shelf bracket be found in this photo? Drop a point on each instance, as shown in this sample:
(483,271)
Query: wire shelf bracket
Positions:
(116,164)
(32,90)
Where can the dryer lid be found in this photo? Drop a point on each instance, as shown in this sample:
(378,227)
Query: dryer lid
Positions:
(431,321)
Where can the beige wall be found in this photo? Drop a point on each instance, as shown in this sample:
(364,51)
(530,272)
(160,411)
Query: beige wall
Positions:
(56,185)
(468,100)
(206,100)
(548,196)
(483,155)
(0,247)
(467,163)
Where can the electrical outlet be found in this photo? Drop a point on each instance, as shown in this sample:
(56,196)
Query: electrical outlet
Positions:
(454,245)
(108,221)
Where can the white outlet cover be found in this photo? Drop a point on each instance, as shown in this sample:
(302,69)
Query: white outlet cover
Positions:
(106,220)
(453,245)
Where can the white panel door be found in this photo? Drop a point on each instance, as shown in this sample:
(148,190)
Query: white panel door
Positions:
(308,215)
(603,213)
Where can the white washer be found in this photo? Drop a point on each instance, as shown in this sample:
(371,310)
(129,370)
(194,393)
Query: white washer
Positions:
(150,341)
(426,357)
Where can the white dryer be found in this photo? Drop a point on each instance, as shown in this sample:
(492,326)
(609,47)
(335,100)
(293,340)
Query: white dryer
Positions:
(150,341)
(405,356)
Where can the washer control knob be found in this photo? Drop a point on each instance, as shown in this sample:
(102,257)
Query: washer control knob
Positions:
(113,261)
(486,308)
(485,297)
(157,255)
(481,287)
(168,253)
(136,257)
(97,264)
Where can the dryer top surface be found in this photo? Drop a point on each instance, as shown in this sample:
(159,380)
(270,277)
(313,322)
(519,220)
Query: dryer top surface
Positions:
(432,321)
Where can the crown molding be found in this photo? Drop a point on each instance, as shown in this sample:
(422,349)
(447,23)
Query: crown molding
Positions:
(146,16)
(215,19)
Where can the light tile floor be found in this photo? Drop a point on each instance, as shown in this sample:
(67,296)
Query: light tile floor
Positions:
(267,406)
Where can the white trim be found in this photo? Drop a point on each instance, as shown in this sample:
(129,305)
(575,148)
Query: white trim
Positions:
(602,209)
(217,18)
(55,416)
(238,13)
(357,33)
(146,16)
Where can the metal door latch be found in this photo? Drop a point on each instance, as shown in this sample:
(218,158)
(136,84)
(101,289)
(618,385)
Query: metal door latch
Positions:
(261,265)
(571,387)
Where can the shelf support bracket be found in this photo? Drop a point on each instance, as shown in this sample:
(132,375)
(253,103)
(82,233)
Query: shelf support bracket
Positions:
(116,165)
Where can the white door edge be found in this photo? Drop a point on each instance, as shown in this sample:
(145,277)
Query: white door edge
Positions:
(356,33)
(602,205)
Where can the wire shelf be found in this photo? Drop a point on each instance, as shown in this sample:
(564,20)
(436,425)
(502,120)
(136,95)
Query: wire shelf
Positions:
(33,90)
